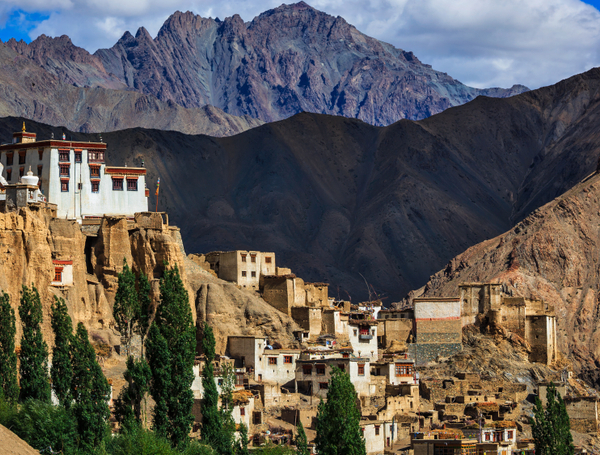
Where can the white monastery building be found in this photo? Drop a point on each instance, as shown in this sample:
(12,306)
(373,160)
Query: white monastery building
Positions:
(72,175)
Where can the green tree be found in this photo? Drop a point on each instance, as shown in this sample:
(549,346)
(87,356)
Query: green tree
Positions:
(211,428)
(159,360)
(551,428)
(227,422)
(128,407)
(9,387)
(90,391)
(301,440)
(34,351)
(126,309)
(174,322)
(242,448)
(338,419)
(61,370)
(145,304)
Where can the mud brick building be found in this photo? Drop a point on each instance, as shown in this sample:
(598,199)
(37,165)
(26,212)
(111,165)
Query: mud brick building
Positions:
(245,268)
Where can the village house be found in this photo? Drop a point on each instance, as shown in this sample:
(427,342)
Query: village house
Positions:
(245,268)
(312,376)
(73,175)
(362,334)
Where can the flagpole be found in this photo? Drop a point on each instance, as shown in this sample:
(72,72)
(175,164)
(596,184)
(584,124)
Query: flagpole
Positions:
(157,188)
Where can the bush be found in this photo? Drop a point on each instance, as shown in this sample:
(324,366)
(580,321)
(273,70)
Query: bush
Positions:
(139,441)
(42,426)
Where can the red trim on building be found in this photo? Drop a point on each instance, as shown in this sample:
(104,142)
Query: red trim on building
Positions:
(452,318)
(133,171)
(55,144)
(58,262)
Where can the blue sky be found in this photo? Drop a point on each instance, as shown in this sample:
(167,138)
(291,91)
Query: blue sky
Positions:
(482,43)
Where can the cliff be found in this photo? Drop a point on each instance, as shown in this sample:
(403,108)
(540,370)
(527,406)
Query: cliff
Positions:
(31,239)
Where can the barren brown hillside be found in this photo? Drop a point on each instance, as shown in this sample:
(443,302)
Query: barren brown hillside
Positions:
(553,254)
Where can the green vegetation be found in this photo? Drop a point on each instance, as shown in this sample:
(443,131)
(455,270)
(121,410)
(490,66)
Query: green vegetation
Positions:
(171,349)
(61,370)
(90,391)
(126,309)
(128,407)
(338,419)
(34,351)
(301,440)
(551,428)
(242,447)
(8,357)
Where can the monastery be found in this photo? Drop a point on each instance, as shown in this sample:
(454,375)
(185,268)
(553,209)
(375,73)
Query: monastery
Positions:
(72,176)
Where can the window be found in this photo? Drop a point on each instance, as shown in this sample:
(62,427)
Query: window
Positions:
(355,332)
(78,156)
(41,154)
(63,155)
(323,386)
(346,355)
(253,258)
(9,159)
(361,369)
(22,157)
(253,274)
(364,331)
(58,274)
(94,155)
(220,381)
(8,174)
(94,171)
(132,185)
(321,370)
(376,430)
(487,436)
(64,186)
(64,170)
(21,171)
(268,260)
(306,369)
(243,257)
(243,273)
(373,332)
(242,411)
(509,434)
(341,366)
(403,370)
(40,167)
(287,359)
(117,183)
(272,360)
(95,186)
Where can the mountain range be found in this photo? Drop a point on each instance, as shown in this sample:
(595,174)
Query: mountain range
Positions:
(338,199)
(288,60)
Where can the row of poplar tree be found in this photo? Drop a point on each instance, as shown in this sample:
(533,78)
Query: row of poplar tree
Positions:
(163,370)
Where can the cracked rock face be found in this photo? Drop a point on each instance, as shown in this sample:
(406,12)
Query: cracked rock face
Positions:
(287,60)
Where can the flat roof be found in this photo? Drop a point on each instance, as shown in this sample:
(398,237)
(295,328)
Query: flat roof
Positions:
(53,143)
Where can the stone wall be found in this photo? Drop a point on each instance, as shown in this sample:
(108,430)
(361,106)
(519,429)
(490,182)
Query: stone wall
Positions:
(583,414)
(423,353)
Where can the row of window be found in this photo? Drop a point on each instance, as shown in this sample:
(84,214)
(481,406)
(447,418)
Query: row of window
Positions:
(132,185)
(253,258)
(63,155)
(252,274)
(65,170)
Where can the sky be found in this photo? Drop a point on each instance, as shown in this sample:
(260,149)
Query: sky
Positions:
(482,43)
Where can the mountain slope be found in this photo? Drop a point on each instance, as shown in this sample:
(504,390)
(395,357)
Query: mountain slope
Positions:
(553,254)
(291,59)
(336,197)
(30,91)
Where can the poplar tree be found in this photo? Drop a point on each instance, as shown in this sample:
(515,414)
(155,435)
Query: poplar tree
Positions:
(301,440)
(34,351)
(242,448)
(176,344)
(159,360)
(126,309)
(90,390)
(338,419)
(551,428)
(8,357)
(211,417)
(145,305)
(128,407)
(61,370)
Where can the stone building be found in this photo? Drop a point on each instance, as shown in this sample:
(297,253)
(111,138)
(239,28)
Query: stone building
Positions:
(313,375)
(362,334)
(74,176)
(245,268)
(437,328)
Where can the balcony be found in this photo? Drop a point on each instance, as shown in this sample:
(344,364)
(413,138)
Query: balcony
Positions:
(365,336)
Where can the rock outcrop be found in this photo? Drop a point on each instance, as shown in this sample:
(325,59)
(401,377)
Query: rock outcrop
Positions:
(32,239)
(287,60)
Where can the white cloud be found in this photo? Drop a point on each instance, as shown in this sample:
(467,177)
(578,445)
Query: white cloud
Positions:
(480,42)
